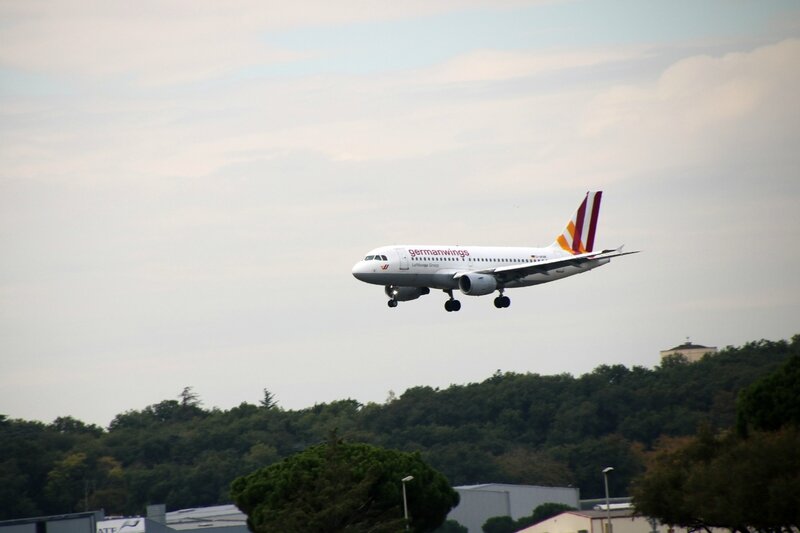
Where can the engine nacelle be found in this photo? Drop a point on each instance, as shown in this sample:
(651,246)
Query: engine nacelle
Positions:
(474,284)
(404,294)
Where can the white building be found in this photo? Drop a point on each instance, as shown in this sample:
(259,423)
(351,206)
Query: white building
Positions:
(692,352)
(479,503)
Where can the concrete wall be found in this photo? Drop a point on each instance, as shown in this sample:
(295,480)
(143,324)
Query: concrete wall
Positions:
(18,528)
(476,507)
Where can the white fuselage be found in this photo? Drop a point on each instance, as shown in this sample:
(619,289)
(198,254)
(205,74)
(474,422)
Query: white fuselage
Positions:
(436,266)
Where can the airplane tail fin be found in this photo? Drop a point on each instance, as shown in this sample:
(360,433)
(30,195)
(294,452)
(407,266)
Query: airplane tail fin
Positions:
(578,237)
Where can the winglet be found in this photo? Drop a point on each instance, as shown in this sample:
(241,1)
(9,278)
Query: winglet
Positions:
(578,236)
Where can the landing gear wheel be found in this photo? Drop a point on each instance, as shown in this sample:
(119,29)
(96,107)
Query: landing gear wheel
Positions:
(452,305)
(502,301)
(392,303)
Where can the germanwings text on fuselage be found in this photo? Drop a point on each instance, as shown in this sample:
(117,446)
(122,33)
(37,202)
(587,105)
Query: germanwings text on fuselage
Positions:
(410,271)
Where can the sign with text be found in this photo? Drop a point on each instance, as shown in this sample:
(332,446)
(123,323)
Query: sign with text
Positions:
(121,525)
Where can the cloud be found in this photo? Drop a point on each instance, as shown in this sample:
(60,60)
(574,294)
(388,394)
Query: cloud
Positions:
(162,43)
(704,108)
(149,46)
(503,65)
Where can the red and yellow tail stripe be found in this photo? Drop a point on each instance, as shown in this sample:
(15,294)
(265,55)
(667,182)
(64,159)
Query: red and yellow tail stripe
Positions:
(578,237)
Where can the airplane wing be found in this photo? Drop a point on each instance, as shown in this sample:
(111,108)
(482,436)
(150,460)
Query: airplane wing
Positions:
(513,272)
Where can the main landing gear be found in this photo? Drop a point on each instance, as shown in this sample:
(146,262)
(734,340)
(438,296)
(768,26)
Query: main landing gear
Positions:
(452,304)
(502,301)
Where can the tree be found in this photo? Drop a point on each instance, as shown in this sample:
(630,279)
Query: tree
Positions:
(340,486)
(269,401)
(522,428)
(189,398)
(66,483)
(726,481)
(68,424)
(506,524)
(451,526)
(547,510)
(499,524)
(741,481)
(773,401)
(532,467)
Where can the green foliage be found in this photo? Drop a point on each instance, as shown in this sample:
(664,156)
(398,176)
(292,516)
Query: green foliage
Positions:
(773,401)
(726,481)
(269,401)
(189,398)
(547,510)
(499,524)
(515,428)
(344,487)
(451,526)
(741,481)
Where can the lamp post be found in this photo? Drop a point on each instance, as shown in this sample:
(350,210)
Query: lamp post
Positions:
(405,501)
(606,471)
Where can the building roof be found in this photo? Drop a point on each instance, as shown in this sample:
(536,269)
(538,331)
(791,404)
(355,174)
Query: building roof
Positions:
(97,515)
(507,486)
(206,517)
(615,513)
(690,346)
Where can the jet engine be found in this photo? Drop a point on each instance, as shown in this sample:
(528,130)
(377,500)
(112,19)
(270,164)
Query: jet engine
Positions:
(474,284)
(404,294)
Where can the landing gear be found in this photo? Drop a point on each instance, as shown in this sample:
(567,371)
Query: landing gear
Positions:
(452,304)
(502,301)
(392,303)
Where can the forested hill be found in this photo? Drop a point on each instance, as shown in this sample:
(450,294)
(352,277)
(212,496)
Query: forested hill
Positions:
(516,428)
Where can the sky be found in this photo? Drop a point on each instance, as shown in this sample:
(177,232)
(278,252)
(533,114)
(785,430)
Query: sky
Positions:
(185,187)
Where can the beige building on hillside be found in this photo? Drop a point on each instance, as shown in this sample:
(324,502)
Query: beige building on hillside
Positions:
(692,352)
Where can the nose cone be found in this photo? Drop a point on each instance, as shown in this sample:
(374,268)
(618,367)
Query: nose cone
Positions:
(358,271)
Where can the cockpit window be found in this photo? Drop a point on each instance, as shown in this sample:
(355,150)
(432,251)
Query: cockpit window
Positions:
(369,258)
(383,258)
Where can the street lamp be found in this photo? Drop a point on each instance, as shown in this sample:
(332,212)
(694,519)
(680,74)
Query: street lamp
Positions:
(606,471)
(405,501)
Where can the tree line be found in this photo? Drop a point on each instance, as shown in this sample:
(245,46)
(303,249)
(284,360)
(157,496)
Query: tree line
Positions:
(745,480)
(512,427)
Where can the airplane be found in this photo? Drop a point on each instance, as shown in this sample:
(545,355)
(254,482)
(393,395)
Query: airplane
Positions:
(410,271)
